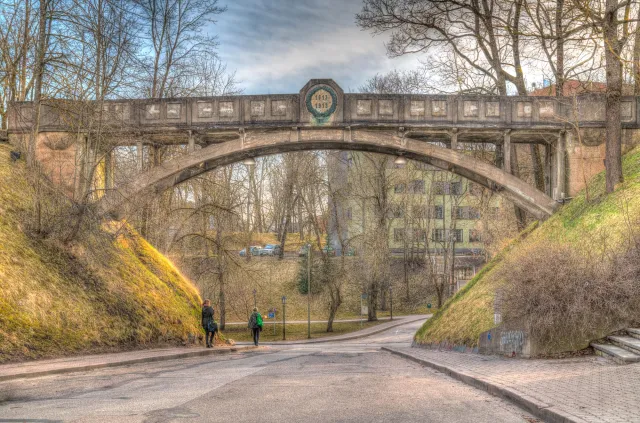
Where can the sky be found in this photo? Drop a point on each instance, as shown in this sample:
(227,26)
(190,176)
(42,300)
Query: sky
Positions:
(276,46)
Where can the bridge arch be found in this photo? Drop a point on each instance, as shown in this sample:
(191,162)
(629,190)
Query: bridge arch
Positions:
(265,142)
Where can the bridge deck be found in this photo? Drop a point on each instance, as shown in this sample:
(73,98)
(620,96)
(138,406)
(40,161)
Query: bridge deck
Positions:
(429,117)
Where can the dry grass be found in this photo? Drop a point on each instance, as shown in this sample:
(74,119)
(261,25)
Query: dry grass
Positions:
(602,228)
(103,292)
(571,299)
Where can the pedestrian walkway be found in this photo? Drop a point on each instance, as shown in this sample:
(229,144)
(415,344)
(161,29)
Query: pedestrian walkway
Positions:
(300,322)
(39,368)
(584,389)
(372,330)
(89,362)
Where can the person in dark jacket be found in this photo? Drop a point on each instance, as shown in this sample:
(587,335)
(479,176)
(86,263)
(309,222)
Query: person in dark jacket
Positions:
(208,324)
(255,324)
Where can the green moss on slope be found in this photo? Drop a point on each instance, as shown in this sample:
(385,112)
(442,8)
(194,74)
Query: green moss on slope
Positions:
(595,225)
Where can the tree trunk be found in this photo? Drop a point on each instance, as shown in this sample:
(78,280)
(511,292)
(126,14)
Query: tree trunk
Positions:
(336,301)
(636,60)
(559,49)
(39,65)
(613,157)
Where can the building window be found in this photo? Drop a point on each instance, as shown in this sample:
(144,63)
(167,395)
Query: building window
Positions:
(475,235)
(466,212)
(419,235)
(398,234)
(438,212)
(398,188)
(456,188)
(442,188)
(416,186)
(442,235)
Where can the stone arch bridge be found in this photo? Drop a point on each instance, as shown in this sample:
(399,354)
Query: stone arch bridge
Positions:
(431,128)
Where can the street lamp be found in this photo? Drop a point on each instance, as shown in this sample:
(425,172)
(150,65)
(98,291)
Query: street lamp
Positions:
(284,330)
(391,300)
(250,161)
(309,291)
(400,161)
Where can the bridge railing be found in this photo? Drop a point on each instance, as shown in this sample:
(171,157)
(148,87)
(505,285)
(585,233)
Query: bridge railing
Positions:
(226,112)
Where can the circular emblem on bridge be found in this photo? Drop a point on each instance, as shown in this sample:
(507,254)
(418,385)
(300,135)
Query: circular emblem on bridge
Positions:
(321,101)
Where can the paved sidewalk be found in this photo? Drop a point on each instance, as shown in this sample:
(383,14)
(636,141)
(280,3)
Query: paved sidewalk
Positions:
(89,362)
(585,389)
(81,363)
(299,322)
(372,330)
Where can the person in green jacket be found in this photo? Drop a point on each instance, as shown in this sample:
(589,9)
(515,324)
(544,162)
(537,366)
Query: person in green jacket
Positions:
(255,324)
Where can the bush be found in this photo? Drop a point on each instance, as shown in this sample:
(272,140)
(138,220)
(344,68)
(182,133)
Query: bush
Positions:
(568,299)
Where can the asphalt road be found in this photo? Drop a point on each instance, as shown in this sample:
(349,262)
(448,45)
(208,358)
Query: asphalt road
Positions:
(349,381)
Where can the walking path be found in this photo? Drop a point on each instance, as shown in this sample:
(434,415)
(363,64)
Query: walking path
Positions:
(585,389)
(89,362)
(81,363)
(372,330)
(299,322)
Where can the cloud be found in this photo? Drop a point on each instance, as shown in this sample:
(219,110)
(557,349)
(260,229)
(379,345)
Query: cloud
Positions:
(277,46)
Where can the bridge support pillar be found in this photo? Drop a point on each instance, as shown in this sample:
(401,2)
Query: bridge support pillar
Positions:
(547,169)
(559,169)
(156,155)
(454,139)
(139,156)
(108,170)
(192,143)
(506,148)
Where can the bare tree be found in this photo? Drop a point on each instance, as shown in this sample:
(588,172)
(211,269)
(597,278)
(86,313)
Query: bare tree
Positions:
(176,35)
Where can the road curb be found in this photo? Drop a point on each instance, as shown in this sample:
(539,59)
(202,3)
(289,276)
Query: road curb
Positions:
(346,338)
(150,359)
(538,408)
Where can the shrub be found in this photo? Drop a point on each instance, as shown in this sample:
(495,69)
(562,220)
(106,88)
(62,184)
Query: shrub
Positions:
(569,299)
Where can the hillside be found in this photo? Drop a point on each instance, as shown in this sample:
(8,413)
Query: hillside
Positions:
(594,228)
(109,291)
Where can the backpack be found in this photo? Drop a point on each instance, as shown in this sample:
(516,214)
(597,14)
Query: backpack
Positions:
(259,320)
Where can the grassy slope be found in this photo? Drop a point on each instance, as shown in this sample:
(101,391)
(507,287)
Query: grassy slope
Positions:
(603,222)
(105,293)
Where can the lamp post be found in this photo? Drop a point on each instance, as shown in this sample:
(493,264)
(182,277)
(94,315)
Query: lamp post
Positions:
(255,303)
(284,327)
(250,164)
(391,300)
(309,291)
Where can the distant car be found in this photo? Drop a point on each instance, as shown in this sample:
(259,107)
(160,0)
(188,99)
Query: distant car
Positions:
(270,250)
(254,249)
(328,250)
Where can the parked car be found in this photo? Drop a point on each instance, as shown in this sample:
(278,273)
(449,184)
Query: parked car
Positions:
(254,249)
(270,250)
(329,250)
